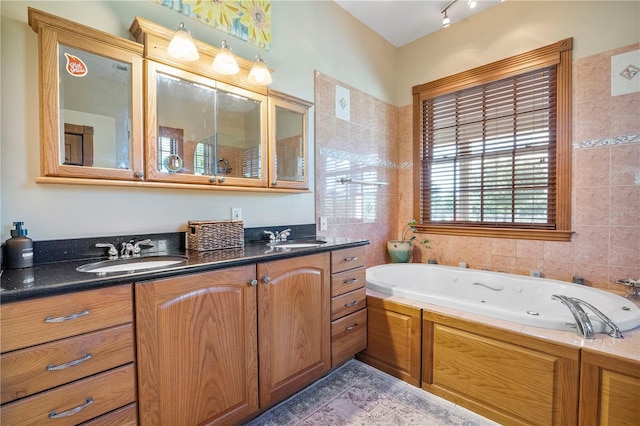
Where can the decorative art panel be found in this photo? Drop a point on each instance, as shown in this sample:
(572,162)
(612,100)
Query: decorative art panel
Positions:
(248,20)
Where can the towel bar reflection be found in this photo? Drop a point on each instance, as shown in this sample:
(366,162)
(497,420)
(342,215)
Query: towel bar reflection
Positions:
(344,180)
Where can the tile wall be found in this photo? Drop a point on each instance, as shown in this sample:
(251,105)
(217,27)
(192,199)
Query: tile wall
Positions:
(373,143)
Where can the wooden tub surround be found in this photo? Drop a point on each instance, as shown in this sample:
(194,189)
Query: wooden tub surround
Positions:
(508,372)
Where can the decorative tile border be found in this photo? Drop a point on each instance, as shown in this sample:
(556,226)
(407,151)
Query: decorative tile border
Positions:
(617,140)
(363,159)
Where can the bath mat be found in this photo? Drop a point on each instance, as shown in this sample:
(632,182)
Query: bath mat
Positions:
(358,394)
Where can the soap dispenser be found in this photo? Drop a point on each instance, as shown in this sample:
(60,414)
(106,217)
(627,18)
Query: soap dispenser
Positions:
(18,248)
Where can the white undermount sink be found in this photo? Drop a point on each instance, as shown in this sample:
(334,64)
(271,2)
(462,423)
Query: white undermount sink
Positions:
(131,264)
(297,244)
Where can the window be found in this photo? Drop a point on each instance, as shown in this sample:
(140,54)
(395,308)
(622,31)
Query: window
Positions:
(170,143)
(493,148)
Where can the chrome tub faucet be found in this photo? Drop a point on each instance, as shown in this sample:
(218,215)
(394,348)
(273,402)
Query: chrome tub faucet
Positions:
(583,323)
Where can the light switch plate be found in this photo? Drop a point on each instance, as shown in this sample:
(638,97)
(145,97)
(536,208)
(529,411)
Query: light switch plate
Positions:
(236,213)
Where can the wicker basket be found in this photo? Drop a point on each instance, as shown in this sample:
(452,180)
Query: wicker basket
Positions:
(214,234)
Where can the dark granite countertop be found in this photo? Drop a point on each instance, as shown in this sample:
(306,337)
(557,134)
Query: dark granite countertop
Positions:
(61,277)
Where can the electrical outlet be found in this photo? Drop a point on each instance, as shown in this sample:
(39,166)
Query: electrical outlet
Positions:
(323,223)
(535,273)
(236,213)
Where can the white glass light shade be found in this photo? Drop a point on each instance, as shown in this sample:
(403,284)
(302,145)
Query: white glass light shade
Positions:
(225,62)
(259,73)
(182,46)
(471,3)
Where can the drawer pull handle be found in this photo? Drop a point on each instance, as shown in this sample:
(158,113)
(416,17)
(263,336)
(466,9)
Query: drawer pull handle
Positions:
(350,281)
(351,327)
(67,318)
(52,367)
(354,303)
(54,415)
(351,259)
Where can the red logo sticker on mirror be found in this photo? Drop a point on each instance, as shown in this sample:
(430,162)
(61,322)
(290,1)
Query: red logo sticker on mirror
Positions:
(75,66)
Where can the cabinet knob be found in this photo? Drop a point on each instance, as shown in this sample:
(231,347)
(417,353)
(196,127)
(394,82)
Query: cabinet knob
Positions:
(274,183)
(212,179)
(265,279)
(221,180)
(253,282)
(138,174)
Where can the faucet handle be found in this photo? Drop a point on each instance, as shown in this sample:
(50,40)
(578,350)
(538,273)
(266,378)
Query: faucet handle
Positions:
(272,236)
(112,252)
(282,235)
(136,247)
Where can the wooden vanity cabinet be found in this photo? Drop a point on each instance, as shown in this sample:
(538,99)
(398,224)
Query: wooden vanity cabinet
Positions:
(197,348)
(609,390)
(293,325)
(70,354)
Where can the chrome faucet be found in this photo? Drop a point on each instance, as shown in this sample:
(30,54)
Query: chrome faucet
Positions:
(278,235)
(585,328)
(583,323)
(126,249)
(112,252)
(615,330)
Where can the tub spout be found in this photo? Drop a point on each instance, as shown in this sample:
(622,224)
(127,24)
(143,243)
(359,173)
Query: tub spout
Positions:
(615,331)
(584,326)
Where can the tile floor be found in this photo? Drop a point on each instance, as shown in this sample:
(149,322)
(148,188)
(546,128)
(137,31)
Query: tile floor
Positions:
(358,394)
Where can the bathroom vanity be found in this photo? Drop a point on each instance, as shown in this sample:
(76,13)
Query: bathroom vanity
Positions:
(210,341)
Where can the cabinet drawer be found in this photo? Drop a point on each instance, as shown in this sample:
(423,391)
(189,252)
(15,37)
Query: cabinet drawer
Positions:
(28,371)
(350,258)
(43,320)
(347,303)
(82,400)
(348,336)
(346,281)
(125,416)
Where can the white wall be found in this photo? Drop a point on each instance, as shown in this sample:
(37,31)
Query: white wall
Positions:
(514,27)
(307,36)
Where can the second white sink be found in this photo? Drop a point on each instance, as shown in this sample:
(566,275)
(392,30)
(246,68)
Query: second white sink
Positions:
(130,265)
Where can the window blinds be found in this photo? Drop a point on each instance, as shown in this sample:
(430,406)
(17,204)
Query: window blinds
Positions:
(488,153)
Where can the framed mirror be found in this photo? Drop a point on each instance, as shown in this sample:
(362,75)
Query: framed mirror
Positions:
(288,141)
(91,101)
(215,132)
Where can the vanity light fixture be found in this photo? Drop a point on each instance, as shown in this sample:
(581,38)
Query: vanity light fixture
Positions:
(259,73)
(225,62)
(471,3)
(182,46)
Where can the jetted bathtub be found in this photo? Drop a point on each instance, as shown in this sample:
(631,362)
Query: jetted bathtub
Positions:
(516,298)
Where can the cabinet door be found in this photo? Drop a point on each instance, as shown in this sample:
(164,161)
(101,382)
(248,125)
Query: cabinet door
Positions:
(288,143)
(203,131)
(90,101)
(294,328)
(197,348)
(609,390)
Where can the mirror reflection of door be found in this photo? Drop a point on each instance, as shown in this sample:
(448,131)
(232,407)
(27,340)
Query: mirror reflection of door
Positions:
(78,145)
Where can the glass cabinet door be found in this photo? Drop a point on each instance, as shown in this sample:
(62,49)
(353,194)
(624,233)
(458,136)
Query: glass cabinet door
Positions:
(288,166)
(203,131)
(91,101)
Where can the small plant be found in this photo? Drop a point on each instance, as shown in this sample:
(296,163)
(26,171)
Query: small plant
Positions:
(411,227)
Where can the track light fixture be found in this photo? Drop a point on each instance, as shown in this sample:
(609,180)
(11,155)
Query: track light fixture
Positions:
(445,20)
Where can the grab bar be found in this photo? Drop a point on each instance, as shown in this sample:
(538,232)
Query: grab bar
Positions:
(494,287)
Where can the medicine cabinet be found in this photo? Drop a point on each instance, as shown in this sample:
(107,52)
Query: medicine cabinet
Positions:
(90,101)
(204,131)
(106,120)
